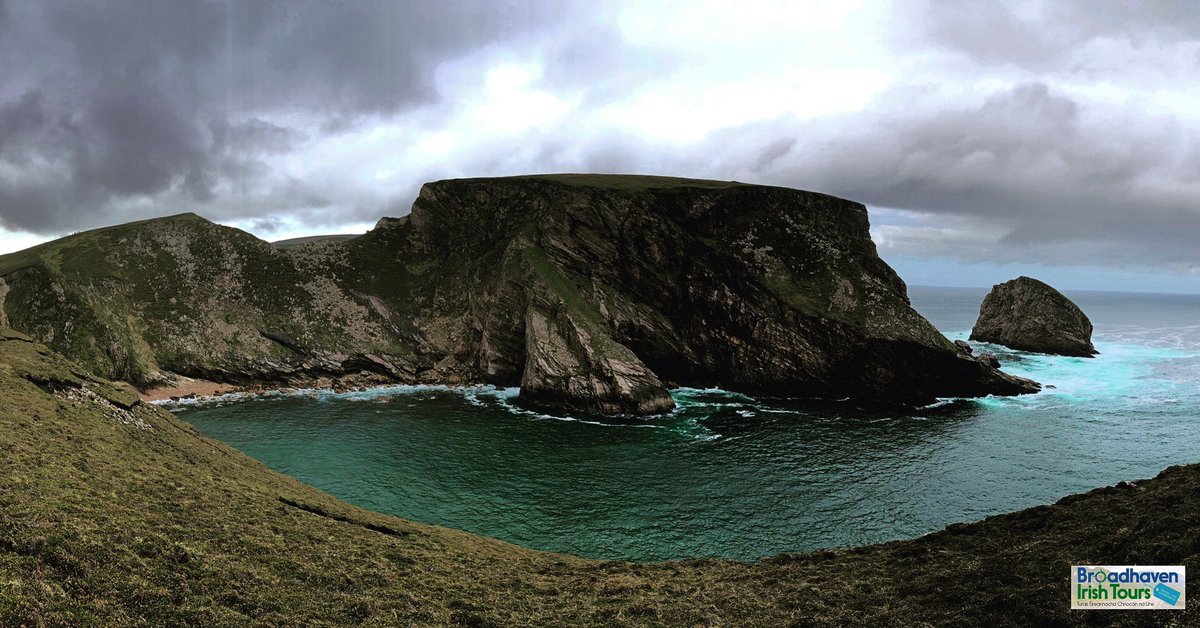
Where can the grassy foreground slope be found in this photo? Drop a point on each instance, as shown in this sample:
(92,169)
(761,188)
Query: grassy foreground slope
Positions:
(114,512)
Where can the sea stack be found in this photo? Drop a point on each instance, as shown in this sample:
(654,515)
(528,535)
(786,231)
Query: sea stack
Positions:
(1029,315)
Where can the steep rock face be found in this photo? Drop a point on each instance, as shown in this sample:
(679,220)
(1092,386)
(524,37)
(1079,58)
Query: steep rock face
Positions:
(1029,315)
(592,292)
(751,288)
(567,365)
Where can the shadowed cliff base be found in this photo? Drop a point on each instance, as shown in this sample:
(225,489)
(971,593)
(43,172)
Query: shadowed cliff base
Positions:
(594,293)
(117,513)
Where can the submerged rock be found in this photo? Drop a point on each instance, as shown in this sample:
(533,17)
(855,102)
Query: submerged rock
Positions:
(1029,315)
(592,292)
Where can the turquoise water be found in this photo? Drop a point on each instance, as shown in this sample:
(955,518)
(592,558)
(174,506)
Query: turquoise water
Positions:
(727,475)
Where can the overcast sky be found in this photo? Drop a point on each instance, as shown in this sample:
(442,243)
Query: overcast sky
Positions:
(988,139)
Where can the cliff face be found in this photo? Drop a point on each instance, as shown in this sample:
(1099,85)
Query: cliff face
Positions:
(1029,315)
(590,292)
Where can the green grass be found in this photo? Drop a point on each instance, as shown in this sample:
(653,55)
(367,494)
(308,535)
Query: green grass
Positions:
(545,271)
(132,300)
(624,182)
(53,252)
(103,522)
(295,242)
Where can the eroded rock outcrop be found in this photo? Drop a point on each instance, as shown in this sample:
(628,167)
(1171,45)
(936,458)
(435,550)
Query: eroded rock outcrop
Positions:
(575,364)
(1029,315)
(591,292)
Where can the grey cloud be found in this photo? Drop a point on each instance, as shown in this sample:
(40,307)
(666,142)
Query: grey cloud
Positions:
(1027,172)
(32,200)
(772,152)
(137,143)
(117,145)
(195,106)
(175,100)
(372,56)
(989,32)
(266,224)
(1042,36)
(600,62)
(19,122)
(1028,158)
(255,135)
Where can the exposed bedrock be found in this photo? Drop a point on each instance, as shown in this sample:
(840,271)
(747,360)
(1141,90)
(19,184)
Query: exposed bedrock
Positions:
(1029,315)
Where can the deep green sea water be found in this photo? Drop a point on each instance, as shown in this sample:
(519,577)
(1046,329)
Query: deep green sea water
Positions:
(727,475)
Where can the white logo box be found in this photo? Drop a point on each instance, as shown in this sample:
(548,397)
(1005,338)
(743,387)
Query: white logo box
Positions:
(1128,587)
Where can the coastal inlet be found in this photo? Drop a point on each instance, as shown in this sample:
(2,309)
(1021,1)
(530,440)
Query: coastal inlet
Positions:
(733,476)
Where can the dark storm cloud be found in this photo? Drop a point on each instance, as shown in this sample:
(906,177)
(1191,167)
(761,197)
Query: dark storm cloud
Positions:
(168,100)
(118,144)
(368,56)
(137,143)
(255,135)
(19,121)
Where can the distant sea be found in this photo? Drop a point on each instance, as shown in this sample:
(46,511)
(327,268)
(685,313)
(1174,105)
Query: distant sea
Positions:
(731,476)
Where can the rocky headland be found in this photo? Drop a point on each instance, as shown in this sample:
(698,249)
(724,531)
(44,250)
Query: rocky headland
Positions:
(594,293)
(1029,315)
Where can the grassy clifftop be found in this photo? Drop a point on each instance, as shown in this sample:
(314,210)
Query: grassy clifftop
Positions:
(621,182)
(82,250)
(113,512)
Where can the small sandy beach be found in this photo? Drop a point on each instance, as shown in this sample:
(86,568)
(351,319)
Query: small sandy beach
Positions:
(185,387)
